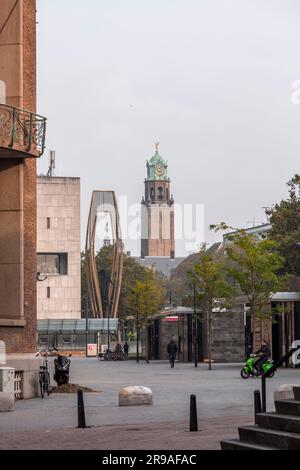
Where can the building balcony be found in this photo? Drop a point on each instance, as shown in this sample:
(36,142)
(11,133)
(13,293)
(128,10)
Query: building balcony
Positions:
(22,133)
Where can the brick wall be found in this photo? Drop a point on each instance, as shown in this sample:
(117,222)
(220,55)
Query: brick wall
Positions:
(167,330)
(23,339)
(228,337)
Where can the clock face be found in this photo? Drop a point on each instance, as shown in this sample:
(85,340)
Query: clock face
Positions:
(159,169)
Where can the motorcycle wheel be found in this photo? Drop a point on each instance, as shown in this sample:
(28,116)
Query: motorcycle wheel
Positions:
(245,374)
(64,379)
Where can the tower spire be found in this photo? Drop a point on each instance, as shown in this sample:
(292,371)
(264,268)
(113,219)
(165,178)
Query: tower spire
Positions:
(156,146)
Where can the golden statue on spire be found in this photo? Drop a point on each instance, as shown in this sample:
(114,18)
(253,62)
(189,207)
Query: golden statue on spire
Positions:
(156,146)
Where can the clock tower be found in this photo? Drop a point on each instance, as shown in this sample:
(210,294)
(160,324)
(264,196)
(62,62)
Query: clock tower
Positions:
(157,211)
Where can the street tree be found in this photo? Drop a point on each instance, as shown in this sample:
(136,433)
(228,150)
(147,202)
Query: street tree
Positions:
(285,220)
(143,301)
(255,266)
(214,293)
(132,271)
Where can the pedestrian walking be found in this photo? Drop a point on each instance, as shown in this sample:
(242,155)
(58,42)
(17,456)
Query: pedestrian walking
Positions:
(126,348)
(172,351)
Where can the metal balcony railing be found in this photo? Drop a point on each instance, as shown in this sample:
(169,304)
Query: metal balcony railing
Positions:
(21,131)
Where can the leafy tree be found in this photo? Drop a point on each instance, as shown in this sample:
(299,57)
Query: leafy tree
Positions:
(285,220)
(144,300)
(214,294)
(255,267)
(133,273)
(177,289)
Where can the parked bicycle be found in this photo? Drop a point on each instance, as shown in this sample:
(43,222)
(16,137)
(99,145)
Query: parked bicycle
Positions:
(44,378)
(112,355)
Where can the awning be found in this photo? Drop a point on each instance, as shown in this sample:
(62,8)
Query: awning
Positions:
(77,326)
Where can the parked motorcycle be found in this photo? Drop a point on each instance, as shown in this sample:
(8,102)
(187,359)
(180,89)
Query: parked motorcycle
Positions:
(249,369)
(62,369)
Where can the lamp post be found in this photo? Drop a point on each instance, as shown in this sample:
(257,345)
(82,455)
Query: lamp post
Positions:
(86,325)
(108,326)
(195,328)
(137,331)
(137,324)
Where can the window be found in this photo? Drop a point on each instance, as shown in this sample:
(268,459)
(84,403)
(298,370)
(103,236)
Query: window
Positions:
(52,263)
(43,341)
(66,340)
(160,193)
(48,222)
(48,292)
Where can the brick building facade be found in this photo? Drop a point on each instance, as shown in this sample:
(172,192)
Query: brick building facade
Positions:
(22,140)
(18,184)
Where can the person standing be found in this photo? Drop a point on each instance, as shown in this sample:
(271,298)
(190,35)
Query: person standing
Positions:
(126,349)
(172,351)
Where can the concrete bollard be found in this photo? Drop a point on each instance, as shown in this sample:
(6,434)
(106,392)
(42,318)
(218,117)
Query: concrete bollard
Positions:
(80,408)
(193,414)
(257,403)
(7,402)
(7,389)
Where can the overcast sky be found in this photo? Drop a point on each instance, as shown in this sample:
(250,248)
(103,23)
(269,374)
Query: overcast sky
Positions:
(211,80)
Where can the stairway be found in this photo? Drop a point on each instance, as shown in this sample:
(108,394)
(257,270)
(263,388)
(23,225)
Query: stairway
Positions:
(278,430)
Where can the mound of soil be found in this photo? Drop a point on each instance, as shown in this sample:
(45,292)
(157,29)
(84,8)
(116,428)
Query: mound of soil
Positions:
(73,388)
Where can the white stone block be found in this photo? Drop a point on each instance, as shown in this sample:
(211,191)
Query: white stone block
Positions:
(285,392)
(7,402)
(2,353)
(135,396)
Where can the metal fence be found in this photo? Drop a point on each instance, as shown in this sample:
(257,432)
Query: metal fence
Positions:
(18,385)
(22,130)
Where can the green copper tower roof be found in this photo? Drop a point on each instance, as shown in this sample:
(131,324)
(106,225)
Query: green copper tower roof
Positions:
(157,167)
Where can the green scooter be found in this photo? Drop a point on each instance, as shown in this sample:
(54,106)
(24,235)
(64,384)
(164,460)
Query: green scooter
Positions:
(249,369)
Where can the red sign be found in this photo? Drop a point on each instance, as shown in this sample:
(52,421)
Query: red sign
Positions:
(171,319)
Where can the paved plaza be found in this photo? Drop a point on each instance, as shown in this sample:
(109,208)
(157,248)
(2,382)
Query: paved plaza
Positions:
(224,402)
